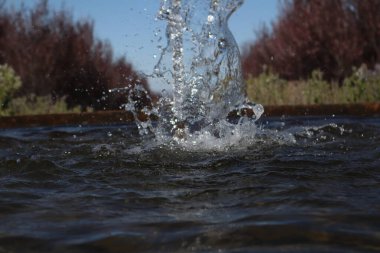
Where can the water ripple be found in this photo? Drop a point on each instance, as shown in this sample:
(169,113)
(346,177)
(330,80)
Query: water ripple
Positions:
(84,190)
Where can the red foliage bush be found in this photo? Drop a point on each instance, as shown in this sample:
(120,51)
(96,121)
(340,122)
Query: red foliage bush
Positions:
(330,35)
(55,55)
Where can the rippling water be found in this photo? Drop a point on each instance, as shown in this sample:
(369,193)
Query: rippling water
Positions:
(303,185)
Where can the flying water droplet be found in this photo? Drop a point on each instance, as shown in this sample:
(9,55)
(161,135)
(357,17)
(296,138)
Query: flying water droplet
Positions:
(222,43)
(210,18)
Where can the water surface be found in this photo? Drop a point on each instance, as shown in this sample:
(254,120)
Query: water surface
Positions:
(301,185)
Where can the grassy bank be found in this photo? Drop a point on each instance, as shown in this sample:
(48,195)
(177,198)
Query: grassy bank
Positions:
(35,105)
(268,89)
(13,105)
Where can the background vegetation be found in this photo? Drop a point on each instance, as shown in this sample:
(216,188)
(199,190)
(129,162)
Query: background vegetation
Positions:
(363,86)
(332,36)
(60,59)
(9,84)
(318,51)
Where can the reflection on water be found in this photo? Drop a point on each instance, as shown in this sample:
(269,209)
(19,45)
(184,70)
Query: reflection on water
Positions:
(301,185)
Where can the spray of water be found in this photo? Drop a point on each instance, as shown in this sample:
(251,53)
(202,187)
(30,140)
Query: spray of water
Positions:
(201,61)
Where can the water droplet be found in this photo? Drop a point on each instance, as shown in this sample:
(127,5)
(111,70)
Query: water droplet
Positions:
(194,91)
(222,44)
(211,35)
(164,13)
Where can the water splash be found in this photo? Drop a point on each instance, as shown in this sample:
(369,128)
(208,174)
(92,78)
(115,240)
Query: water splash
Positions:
(201,61)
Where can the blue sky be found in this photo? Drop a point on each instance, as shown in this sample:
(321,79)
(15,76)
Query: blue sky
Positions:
(129,25)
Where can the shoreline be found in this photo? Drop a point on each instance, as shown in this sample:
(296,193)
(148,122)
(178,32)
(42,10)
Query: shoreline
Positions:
(118,117)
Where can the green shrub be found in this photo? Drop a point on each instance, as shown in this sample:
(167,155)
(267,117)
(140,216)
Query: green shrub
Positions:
(9,84)
(266,87)
(316,89)
(363,86)
(32,105)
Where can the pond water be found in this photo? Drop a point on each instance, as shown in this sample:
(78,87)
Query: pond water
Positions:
(198,179)
(300,185)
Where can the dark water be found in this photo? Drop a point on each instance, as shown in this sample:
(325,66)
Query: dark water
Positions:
(305,185)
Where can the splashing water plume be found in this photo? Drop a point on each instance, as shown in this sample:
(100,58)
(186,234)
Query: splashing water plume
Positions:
(201,61)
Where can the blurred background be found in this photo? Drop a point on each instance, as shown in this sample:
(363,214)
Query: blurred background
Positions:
(65,55)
